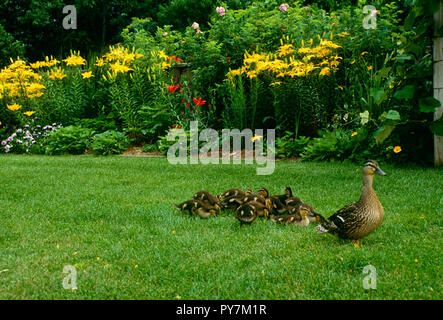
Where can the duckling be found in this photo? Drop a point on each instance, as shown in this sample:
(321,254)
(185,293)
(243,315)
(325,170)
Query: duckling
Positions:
(208,198)
(188,205)
(234,192)
(263,192)
(197,207)
(293,201)
(283,197)
(234,202)
(358,219)
(245,214)
(204,212)
(276,206)
(298,217)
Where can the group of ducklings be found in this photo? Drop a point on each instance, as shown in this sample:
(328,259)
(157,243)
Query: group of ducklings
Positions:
(353,221)
(248,205)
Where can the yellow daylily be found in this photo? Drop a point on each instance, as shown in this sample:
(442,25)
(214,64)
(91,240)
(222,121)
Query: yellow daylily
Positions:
(14,107)
(87,75)
(28,113)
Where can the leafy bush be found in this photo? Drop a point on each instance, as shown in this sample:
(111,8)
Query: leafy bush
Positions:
(110,142)
(288,146)
(71,139)
(9,47)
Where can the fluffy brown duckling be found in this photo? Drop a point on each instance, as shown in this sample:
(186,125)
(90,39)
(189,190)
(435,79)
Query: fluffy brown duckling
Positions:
(245,214)
(283,197)
(198,207)
(207,198)
(263,192)
(299,216)
(234,202)
(233,193)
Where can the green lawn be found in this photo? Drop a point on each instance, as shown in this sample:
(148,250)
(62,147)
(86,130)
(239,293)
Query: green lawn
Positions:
(113,219)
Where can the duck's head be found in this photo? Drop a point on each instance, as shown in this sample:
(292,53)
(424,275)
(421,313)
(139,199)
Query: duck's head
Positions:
(288,192)
(372,167)
(249,191)
(305,214)
(263,192)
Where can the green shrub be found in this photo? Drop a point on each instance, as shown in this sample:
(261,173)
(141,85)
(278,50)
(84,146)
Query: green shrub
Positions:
(288,147)
(110,142)
(9,47)
(71,139)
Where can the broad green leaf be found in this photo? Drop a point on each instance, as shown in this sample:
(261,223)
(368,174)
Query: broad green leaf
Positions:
(378,95)
(405,93)
(437,127)
(428,104)
(383,133)
(392,115)
(364,117)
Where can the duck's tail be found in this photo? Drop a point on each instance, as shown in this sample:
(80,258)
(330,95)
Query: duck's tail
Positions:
(326,226)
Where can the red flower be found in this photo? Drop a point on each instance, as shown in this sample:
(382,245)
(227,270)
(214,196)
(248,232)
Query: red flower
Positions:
(179,127)
(176,59)
(172,89)
(173,126)
(184,100)
(199,102)
(187,104)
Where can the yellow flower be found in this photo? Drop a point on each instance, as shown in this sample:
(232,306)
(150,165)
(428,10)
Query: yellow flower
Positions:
(14,107)
(340,87)
(276,83)
(353,61)
(256,137)
(363,53)
(354,134)
(370,68)
(325,71)
(117,67)
(28,113)
(100,62)
(344,34)
(87,75)
(285,50)
(57,74)
(74,60)
(397,149)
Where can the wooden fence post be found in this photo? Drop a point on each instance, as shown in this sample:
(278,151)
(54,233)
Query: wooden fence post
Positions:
(438,83)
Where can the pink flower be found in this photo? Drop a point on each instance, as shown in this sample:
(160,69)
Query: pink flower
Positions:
(374,13)
(195,25)
(284,7)
(165,34)
(199,31)
(221,11)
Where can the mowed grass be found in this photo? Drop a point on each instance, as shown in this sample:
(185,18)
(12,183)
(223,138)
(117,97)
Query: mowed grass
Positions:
(113,218)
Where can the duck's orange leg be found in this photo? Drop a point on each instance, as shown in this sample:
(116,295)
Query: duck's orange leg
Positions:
(356,243)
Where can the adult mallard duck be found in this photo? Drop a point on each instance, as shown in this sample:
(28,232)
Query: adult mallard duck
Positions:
(358,219)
